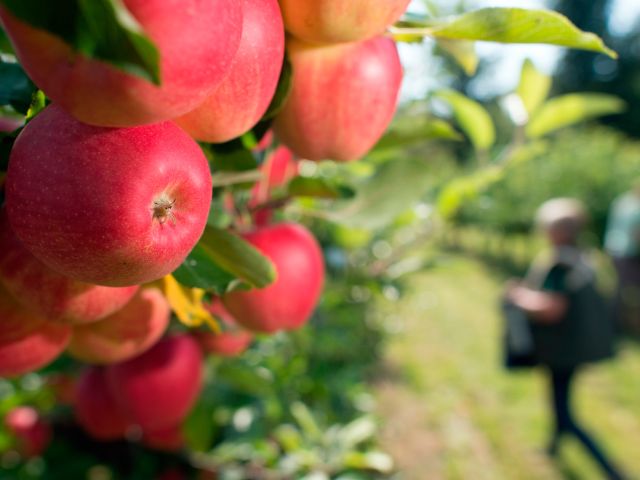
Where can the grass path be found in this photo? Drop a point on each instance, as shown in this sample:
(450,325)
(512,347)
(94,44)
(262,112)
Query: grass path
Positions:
(451,412)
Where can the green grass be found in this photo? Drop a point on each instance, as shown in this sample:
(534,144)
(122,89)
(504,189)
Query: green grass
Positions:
(450,411)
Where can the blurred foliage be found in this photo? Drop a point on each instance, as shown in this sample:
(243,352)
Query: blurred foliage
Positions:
(594,164)
(582,72)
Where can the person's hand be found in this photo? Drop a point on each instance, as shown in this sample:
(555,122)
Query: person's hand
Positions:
(511,287)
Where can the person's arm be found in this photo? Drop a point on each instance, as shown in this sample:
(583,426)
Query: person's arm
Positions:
(542,306)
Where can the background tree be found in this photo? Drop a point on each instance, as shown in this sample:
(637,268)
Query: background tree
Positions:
(583,72)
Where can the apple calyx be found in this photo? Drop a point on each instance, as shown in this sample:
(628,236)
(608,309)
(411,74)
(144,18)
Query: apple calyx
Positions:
(162,209)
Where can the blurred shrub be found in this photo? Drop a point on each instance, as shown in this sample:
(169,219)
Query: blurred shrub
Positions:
(593,164)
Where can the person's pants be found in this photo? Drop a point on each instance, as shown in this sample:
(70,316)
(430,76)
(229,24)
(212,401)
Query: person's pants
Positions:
(565,424)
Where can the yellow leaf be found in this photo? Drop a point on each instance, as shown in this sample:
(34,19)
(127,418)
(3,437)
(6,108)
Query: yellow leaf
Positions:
(187,304)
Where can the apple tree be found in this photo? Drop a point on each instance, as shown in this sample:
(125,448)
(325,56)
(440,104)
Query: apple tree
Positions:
(162,162)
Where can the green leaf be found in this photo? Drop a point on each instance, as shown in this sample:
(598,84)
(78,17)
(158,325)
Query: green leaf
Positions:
(38,103)
(228,179)
(534,87)
(465,189)
(518,25)
(570,109)
(358,431)
(5,44)
(244,378)
(232,156)
(200,270)
(473,118)
(100,29)
(375,461)
(318,188)
(220,260)
(433,129)
(288,437)
(304,418)
(395,187)
(16,89)
(463,52)
(238,257)
(198,427)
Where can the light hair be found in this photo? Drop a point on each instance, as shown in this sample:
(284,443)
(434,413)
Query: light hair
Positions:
(567,214)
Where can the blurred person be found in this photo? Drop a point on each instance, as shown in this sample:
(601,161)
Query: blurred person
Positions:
(569,319)
(622,243)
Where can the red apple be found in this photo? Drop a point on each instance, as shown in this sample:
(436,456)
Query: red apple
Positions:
(172,474)
(225,344)
(342,100)
(31,432)
(113,207)
(125,334)
(244,96)
(277,170)
(197,41)
(166,440)
(339,21)
(158,388)
(46,292)
(231,342)
(264,142)
(289,302)
(27,342)
(96,409)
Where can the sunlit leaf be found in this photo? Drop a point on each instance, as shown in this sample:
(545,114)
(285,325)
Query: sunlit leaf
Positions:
(288,437)
(534,87)
(473,118)
(570,109)
(518,25)
(375,461)
(464,189)
(434,129)
(306,421)
(463,52)
(358,431)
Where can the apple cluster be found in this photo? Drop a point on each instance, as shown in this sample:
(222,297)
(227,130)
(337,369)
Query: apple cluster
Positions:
(148,396)
(107,189)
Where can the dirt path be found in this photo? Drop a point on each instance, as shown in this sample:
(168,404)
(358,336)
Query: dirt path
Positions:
(451,412)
